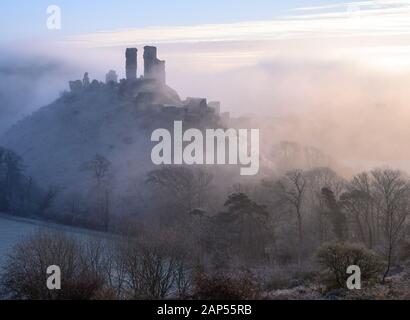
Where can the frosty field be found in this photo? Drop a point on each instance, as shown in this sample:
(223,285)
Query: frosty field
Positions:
(12,230)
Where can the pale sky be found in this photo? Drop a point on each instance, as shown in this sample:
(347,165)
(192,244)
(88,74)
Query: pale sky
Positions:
(26,17)
(375,32)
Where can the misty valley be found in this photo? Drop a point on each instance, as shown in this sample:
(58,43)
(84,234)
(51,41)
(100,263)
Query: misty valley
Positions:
(185,229)
(193,154)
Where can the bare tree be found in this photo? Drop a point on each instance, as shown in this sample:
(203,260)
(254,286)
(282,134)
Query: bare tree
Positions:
(151,269)
(24,273)
(100,169)
(318,179)
(359,203)
(47,200)
(99,166)
(189,187)
(336,214)
(392,194)
(292,189)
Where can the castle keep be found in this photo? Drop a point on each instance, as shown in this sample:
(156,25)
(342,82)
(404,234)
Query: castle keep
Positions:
(154,69)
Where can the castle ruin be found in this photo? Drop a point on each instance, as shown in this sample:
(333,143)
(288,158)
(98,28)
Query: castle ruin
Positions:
(154,69)
(149,92)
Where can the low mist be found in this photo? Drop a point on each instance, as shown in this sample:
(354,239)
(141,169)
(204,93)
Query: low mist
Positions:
(354,113)
(26,84)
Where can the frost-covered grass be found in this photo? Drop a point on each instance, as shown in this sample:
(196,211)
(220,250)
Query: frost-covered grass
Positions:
(13,230)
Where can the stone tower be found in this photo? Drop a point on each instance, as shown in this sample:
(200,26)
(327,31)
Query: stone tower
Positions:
(131,63)
(111,76)
(86,80)
(153,67)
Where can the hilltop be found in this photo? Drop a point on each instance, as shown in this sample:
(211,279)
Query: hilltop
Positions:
(114,119)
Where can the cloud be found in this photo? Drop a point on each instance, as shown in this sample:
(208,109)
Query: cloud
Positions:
(353,19)
(374,4)
(27,83)
(356,114)
(375,33)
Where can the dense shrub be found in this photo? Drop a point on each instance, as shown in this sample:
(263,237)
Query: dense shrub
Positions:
(223,287)
(336,258)
(150,270)
(24,274)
